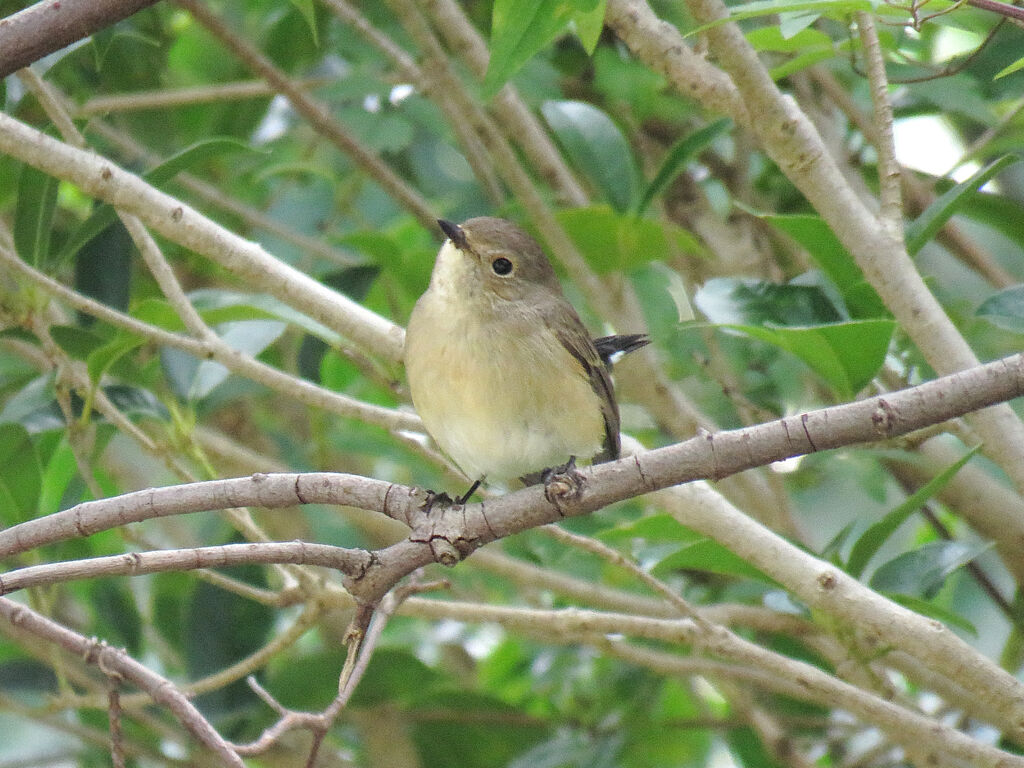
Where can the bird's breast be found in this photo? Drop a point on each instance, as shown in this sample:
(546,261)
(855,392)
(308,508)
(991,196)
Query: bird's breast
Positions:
(502,399)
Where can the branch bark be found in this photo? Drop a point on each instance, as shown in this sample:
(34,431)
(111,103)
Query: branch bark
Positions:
(184,225)
(50,25)
(450,534)
(763,668)
(789,138)
(113,661)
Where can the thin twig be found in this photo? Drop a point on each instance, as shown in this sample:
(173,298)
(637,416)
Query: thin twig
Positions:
(237,362)
(514,117)
(318,115)
(116,731)
(616,558)
(890,200)
(160,689)
(471,146)
(178,97)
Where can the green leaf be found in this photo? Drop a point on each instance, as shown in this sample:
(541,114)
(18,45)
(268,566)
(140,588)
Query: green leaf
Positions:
(1010,69)
(999,212)
(483,732)
(876,535)
(711,557)
(79,343)
(354,282)
(1004,309)
(748,749)
(117,614)
(519,29)
(217,306)
(34,406)
(394,675)
(924,227)
(792,23)
(651,528)
(158,312)
(33,215)
(104,214)
(589,25)
(20,475)
(808,57)
(770,38)
(308,10)
(846,355)
(814,235)
(60,470)
(222,628)
(611,241)
(193,379)
(28,675)
(597,148)
(801,320)
(831,8)
(749,302)
(136,401)
(100,360)
(921,572)
(103,268)
(682,152)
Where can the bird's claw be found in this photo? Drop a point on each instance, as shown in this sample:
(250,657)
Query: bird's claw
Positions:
(562,483)
(440,500)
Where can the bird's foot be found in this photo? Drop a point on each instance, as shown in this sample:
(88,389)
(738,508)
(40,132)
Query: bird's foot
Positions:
(563,483)
(443,500)
(472,489)
(440,500)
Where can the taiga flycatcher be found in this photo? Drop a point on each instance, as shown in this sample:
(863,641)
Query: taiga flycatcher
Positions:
(502,371)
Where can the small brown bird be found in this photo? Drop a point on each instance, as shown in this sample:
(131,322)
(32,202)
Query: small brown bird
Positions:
(502,371)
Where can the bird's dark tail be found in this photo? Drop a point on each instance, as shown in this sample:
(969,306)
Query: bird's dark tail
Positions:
(612,347)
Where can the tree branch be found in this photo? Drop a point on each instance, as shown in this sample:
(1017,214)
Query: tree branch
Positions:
(764,668)
(787,136)
(316,113)
(50,25)
(450,534)
(351,562)
(114,661)
(184,225)
(213,348)
(890,199)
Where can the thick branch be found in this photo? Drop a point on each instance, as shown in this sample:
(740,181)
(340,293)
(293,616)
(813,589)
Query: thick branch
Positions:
(707,455)
(448,535)
(268,491)
(48,26)
(787,136)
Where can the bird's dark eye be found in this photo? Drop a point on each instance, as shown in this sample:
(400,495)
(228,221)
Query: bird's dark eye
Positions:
(501,266)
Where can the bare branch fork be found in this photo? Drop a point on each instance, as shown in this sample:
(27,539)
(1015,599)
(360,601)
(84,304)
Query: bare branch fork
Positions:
(450,535)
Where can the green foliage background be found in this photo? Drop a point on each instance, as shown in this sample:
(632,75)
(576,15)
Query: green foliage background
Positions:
(783,322)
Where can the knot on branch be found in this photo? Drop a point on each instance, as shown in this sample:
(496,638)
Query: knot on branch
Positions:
(883,418)
(446,535)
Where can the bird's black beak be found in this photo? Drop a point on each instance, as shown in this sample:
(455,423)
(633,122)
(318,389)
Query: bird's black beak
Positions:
(454,233)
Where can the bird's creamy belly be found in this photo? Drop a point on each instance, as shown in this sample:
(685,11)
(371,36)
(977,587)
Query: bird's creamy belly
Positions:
(504,406)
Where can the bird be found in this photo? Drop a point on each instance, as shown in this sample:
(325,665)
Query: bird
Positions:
(502,371)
